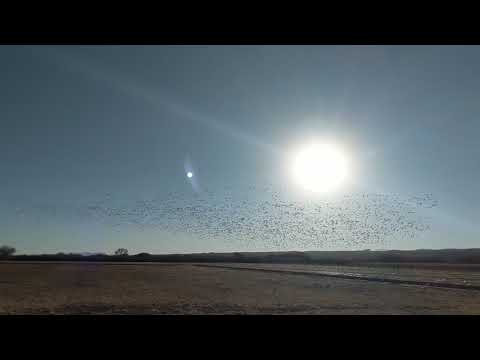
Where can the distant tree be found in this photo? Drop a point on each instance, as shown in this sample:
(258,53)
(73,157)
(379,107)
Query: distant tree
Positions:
(121,252)
(143,254)
(7,251)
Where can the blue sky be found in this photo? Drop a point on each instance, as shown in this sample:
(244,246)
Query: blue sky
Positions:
(79,122)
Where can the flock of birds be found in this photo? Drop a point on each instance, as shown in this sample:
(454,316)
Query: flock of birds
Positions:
(260,217)
(264,218)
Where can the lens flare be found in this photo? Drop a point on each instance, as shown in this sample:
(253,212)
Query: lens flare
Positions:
(320,168)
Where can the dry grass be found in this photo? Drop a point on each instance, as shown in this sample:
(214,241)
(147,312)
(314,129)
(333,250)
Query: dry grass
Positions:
(93,288)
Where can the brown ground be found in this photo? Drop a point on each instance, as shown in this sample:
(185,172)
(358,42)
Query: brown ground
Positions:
(422,272)
(93,288)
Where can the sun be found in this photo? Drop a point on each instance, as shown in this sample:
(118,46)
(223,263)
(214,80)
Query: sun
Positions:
(320,167)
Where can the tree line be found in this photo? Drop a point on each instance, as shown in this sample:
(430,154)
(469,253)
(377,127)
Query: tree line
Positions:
(6,251)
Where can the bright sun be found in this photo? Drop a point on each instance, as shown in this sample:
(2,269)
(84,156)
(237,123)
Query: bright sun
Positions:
(320,167)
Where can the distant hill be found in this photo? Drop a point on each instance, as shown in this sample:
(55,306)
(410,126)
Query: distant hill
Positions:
(451,256)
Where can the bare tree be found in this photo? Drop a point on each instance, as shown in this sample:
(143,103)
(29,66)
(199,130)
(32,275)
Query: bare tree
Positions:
(7,251)
(121,252)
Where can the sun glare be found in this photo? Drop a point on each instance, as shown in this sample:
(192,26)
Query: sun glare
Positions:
(320,168)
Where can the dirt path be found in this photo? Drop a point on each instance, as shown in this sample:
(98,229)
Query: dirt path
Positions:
(347,275)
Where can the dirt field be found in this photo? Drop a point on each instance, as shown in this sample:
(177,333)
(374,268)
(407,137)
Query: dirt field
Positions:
(423,273)
(93,288)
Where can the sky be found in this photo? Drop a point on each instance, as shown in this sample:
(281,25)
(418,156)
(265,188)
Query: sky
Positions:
(81,124)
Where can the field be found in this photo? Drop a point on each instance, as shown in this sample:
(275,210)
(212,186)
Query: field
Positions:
(121,288)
